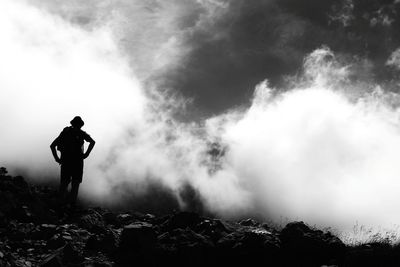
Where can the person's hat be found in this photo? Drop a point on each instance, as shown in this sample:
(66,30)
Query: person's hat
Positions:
(77,121)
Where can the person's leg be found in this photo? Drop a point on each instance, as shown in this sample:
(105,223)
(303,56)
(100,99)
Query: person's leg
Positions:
(76,181)
(74,192)
(65,179)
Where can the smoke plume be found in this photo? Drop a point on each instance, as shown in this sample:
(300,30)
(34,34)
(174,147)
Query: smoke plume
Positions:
(320,146)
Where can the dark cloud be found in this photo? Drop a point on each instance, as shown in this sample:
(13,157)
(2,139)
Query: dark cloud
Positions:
(217,51)
(269,39)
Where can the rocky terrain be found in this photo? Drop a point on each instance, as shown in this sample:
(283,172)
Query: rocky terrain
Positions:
(36,231)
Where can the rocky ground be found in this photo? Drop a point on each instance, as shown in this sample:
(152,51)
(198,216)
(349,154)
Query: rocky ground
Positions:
(36,231)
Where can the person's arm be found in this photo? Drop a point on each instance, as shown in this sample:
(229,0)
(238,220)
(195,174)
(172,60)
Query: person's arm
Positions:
(90,147)
(54,151)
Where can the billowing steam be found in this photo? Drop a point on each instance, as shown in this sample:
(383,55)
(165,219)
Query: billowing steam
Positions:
(324,149)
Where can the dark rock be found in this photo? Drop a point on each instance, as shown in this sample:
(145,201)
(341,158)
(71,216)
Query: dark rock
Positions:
(124,219)
(139,235)
(99,264)
(66,238)
(213,229)
(48,227)
(211,224)
(20,182)
(22,263)
(92,221)
(71,254)
(182,220)
(33,224)
(104,242)
(110,218)
(144,217)
(20,231)
(310,247)
(44,232)
(184,237)
(137,244)
(52,261)
(55,242)
(252,237)
(66,255)
(184,246)
(249,222)
(249,246)
(149,217)
(40,211)
(23,214)
(161,220)
(373,254)
(18,201)
(8,202)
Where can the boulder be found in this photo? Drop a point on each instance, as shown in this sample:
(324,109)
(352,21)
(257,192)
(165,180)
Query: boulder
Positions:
(182,220)
(249,246)
(44,232)
(213,229)
(20,182)
(8,203)
(306,246)
(18,201)
(379,253)
(184,247)
(249,222)
(137,244)
(99,264)
(72,254)
(53,260)
(20,231)
(124,219)
(138,236)
(22,263)
(110,218)
(184,237)
(55,242)
(103,242)
(66,255)
(92,221)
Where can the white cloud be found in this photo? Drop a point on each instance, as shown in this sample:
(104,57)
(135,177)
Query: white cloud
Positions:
(52,71)
(394,59)
(311,153)
(153,33)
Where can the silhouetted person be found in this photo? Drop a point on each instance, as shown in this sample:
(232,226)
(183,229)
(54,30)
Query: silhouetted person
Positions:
(70,143)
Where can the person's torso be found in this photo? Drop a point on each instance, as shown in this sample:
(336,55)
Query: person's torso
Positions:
(71,144)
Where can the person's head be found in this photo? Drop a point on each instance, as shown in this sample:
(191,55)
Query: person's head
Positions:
(77,122)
